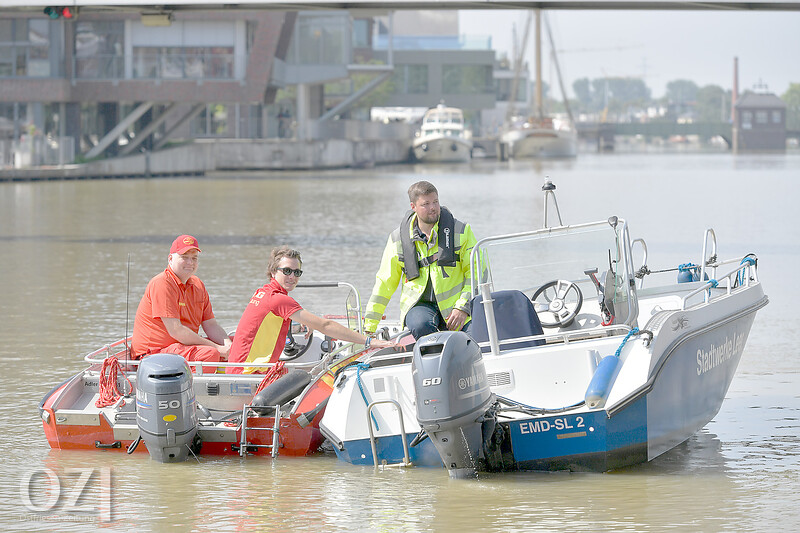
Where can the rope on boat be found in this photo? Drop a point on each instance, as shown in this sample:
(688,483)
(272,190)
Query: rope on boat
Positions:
(109,393)
(272,376)
(631,333)
(684,267)
(748,260)
(359,368)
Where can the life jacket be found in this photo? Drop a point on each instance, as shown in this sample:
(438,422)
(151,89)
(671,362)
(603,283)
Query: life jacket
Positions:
(446,256)
(404,262)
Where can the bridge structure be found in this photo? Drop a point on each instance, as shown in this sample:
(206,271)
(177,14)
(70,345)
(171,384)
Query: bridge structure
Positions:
(395,5)
(603,133)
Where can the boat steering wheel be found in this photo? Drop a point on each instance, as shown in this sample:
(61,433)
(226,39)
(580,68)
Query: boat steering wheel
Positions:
(559,299)
(294,349)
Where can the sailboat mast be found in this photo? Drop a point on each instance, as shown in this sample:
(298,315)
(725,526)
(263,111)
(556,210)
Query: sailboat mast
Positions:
(538,45)
(519,56)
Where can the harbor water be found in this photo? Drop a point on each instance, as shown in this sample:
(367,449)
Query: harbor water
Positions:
(75,257)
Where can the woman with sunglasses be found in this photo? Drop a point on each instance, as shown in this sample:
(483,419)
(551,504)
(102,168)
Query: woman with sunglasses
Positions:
(261,333)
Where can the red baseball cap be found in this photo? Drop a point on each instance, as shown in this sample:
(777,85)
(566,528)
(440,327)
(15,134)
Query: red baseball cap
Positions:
(183,244)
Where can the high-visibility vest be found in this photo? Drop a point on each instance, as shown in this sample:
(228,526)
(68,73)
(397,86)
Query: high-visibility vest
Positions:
(451,285)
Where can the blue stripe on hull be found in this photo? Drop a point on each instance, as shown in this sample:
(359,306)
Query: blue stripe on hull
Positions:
(389,449)
(587,441)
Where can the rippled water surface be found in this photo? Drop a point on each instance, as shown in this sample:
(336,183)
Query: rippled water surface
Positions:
(75,257)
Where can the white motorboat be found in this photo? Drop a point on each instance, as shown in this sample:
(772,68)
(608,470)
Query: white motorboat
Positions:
(578,358)
(442,137)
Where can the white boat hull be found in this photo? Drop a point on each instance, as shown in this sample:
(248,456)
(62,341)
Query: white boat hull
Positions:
(442,150)
(541,143)
(591,394)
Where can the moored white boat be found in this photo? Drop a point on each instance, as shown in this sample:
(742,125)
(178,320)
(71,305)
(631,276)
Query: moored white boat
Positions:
(442,137)
(580,360)
(539,135)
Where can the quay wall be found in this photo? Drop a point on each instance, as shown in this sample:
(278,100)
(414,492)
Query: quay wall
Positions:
(209,155)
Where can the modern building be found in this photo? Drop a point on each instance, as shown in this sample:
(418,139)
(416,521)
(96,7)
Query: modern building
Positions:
(106,84)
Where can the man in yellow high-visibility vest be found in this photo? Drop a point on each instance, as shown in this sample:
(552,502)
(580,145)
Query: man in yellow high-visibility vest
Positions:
(430,253)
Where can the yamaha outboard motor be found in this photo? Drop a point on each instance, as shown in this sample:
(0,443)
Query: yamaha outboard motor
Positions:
(452,392)
(166,411)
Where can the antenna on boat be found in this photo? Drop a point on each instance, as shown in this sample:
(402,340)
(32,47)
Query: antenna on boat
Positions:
(127,307)
(549,189)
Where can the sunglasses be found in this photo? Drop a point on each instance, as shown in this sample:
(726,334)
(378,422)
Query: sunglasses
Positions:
(289,271)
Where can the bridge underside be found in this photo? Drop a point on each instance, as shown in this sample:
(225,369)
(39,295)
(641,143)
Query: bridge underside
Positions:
(604,133)
(394,5)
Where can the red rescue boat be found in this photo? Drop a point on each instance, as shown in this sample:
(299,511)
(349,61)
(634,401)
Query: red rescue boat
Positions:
(276,413)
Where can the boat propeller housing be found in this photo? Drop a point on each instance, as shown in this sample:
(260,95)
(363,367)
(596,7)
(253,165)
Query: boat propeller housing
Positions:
(166,411)
(452,393)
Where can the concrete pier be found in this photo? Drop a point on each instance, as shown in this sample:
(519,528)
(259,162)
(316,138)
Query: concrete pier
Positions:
(208,155)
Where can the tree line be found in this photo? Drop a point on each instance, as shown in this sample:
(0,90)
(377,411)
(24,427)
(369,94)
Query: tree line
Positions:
(627,98)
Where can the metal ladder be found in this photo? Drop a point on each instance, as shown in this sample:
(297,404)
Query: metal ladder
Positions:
(244,445)
(373,439)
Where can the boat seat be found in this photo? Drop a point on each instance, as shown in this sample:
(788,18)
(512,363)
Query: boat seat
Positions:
(515,317)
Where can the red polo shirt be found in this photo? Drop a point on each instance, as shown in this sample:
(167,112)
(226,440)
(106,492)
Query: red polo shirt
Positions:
(166,297)
(261,333)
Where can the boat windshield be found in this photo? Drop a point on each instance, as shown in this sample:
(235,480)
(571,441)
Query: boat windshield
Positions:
(529,261)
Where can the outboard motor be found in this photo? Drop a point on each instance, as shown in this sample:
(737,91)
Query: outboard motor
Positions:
(166,411)
(452,393)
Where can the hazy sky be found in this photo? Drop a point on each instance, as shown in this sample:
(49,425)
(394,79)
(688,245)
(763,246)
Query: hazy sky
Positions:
(661,46)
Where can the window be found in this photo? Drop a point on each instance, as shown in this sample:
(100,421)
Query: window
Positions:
(776,117)
(747,120)
(410,79)
(25,48)
(467,79)
(761,117)
(320,40)
(176,62)
(361,30)
(502,90)
(211,122)
(99,49)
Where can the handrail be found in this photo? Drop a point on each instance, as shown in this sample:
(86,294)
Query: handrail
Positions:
(567,336)
(709,231)
(90,357)
(198,367)
(644,257)
(335,284)
(713,283)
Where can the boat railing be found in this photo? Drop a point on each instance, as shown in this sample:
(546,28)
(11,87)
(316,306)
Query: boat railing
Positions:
(742,276)
(709,260)
(317,369)
(643,245)
(566,337)
(121,348)
(340,284)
